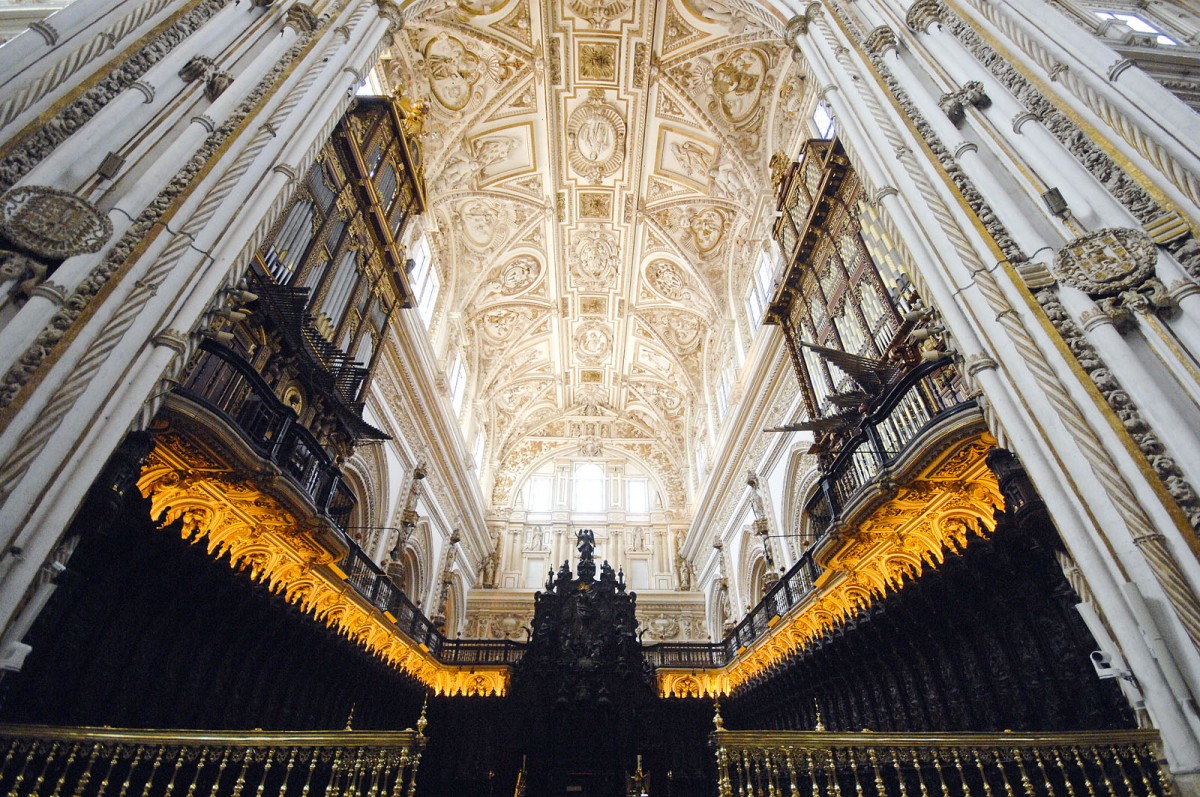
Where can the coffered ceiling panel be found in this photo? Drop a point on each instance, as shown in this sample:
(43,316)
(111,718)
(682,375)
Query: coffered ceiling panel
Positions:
(598,174)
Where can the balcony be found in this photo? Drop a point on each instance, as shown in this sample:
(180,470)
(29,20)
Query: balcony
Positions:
(226,385)
(915,406)
(914,413)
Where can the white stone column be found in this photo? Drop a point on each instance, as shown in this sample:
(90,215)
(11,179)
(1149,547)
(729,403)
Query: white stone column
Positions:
(42,502)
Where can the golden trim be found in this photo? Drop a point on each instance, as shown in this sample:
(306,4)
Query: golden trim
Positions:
(942,507)
(1115,423)
(225,507)
(155,737)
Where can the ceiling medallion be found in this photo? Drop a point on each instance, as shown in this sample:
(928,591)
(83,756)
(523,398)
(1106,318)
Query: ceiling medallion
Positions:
(665,278)
(483,223)
(707,228)
(596,137)
(52,223)
(737,83)
(593,342)
(1107,262)
(453,71)
(595,264)
(517,275)
(599,12)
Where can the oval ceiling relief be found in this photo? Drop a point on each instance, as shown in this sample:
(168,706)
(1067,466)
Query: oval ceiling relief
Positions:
(596,137)
(453,71)
(667,280)
(593,341)
(516,275)
(737,83)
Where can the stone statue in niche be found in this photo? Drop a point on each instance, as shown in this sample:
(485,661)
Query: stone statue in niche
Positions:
(683,572)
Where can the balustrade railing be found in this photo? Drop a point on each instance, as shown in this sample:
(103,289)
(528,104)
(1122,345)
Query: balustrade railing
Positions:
(124,762)
(826,764)
(226,384)
(928,395)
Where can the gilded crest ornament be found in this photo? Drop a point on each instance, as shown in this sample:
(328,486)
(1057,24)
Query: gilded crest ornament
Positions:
(737,83)
(52,223)
(1107,262)
(596,137)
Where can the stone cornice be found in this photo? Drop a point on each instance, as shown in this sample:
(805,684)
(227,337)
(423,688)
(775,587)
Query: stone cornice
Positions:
(408,360)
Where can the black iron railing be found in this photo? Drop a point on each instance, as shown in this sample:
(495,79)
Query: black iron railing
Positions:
(227,385)
(928,395)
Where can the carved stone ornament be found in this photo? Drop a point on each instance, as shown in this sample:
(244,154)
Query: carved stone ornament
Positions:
(954,103)
(1107,262)
(595,261)
(593,341)
(52,223)
(599,12)
(596,137)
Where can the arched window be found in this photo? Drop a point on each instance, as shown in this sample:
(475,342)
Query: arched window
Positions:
(589,487)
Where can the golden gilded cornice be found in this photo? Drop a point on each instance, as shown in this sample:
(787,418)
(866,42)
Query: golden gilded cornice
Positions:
(948,502)
(237,514)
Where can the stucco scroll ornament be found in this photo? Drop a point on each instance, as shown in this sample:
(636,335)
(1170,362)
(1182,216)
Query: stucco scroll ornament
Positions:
(52,223)
(596,137)
(954,103)
(201,67)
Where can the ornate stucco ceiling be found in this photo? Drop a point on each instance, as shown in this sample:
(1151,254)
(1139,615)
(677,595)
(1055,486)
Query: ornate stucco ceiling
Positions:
(598,177)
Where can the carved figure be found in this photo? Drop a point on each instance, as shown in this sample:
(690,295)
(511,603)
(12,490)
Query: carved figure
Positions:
(453,70)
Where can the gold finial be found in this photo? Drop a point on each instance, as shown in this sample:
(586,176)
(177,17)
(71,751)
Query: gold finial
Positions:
(820,725)
(421,721)
(350,718)
(718,720)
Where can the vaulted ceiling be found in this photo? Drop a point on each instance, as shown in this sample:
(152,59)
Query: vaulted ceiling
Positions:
(598,173)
